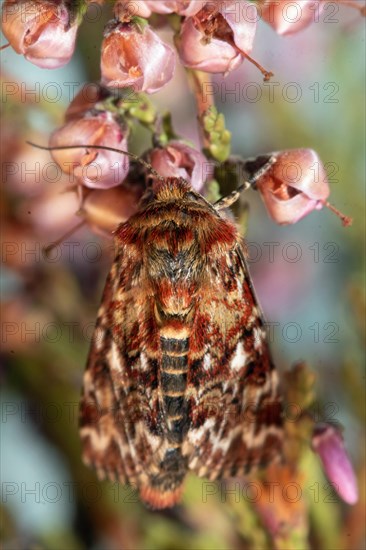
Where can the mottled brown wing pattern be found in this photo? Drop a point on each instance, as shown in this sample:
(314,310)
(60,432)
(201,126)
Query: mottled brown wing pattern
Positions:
(118,398)
(179,375)
(235,407)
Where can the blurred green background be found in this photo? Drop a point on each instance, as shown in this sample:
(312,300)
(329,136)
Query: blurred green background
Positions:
(311,289)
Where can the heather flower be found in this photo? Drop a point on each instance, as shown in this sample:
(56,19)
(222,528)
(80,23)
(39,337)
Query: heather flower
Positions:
(54,211)
(94,168)
(86,100)
(44,32)
(105,210)
(136,57)
(295,185)
(219,37)
(328,444)
(146,8)
(180,160)
(291,17)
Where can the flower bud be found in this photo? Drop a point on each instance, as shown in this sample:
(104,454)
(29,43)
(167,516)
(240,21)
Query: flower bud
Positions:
(137,57)
(147,7)
(294,185)
(104,210)
(44,32)
(182,161)
(94,168)
(218,37)
(291,17)
(328,443)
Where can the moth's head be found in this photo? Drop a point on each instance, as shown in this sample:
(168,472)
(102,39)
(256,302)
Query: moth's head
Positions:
(171,189)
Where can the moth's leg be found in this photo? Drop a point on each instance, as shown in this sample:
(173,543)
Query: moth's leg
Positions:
(228,200)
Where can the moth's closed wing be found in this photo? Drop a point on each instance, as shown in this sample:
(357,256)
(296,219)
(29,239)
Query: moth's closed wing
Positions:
(235,407)
(180,356)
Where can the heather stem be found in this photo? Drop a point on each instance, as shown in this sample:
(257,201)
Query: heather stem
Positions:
(204,100)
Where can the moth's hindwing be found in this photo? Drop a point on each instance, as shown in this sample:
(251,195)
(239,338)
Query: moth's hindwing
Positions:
(179,375)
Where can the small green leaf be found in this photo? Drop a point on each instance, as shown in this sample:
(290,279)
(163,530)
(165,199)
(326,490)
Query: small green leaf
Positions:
(140,23)
(144,111)
(217,135)
(135,105)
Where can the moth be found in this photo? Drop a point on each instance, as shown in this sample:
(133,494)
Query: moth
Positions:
(179,376)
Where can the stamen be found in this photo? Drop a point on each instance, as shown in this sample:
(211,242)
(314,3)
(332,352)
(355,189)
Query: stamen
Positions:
(346,220)
(267,74)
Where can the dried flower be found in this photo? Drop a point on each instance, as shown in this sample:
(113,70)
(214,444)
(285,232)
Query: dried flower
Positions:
(328,444)
(94,168)
(219,37)
(291,17)
(44,32)
(180,160)
(147,7)
(136,57)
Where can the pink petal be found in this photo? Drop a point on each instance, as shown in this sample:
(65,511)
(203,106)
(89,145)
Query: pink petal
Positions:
(291,17)
(141,60)
(180,160)
(303,170)
(99,169)
(40,32)
(242,18)
(288,211)
(328,444)
(215,57)
(54,48)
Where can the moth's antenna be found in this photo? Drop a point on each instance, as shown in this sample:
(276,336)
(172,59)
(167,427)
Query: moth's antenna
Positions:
(227,201)
(104,148)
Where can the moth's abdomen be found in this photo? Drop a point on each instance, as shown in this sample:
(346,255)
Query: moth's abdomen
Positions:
(165,487)
(173,378)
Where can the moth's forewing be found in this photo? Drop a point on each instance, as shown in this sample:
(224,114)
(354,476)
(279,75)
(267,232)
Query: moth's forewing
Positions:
(179,373)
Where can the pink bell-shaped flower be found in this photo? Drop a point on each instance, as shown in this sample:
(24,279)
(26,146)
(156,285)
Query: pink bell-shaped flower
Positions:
(136,57)
(218,38)
(180,160)
(44,32)
(293,185)
(95,168)
(144,8)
